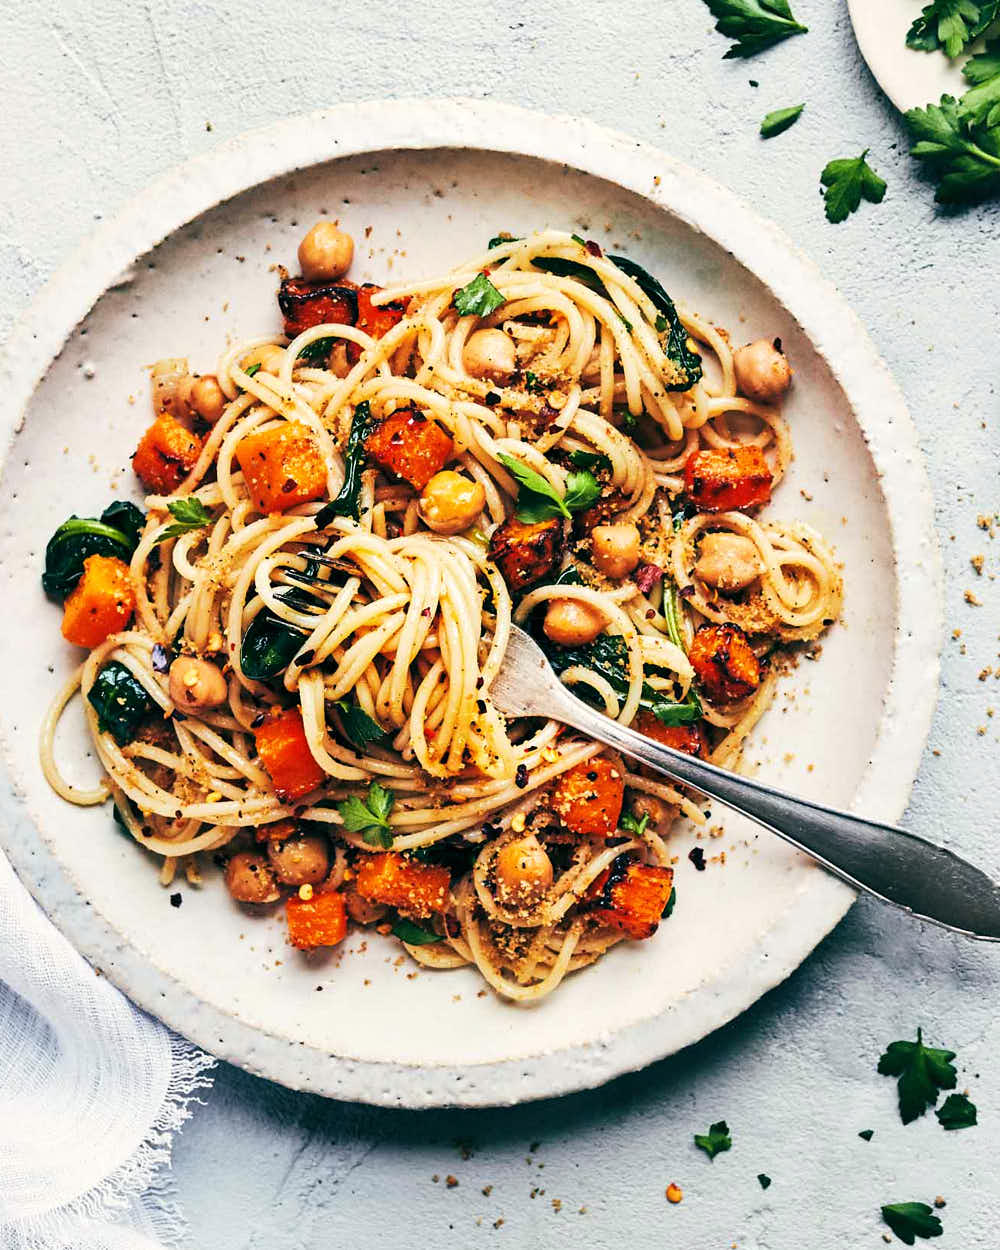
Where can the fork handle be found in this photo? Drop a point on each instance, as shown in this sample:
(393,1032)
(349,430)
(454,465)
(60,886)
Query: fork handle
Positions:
(898,867)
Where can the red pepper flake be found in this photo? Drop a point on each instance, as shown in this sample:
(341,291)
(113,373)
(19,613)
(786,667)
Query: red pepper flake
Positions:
(647,576)
(594,248)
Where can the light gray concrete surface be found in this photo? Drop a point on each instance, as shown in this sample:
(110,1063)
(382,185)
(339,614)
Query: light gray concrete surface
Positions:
(97,96)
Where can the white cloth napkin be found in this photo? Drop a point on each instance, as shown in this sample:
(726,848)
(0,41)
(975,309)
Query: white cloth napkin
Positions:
(91,1092)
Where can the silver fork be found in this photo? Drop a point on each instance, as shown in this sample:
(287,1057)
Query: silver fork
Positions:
(897,867)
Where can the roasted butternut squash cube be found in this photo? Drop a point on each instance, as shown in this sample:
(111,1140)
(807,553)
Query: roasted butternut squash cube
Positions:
(687,738)
(284,752)
(166,454)
(306,304)
(724,662)
(374,319)
(101,604)
(725,479)
(277,831)
(632,897)
(397,881)
(282,467)
(317,921)
(526,553)
(410,445)
(588,798)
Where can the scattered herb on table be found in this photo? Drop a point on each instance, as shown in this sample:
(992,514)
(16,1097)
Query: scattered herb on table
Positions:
(189,514)
(754,24)
(957,1111)
(922,1071)
(961,155)
(867,1134)
(538,499)
(778,122)
(847,182)
(478,298)
(764,1180)
(909,1220)
(715,1141)
(369,816)
(951,25)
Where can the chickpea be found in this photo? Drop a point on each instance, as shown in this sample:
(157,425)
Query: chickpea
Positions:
(490,354)
(196,684)
(572,623)
(168,377)
(269,356)
(727,561)
(325,253)
(523,870)
(206,397)
(249,879)
(615,549)
(361,910)
(450,502)
(299,860)
(649,805)
(762,371)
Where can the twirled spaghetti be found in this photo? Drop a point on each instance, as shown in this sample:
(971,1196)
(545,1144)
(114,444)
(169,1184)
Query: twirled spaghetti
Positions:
(293,671)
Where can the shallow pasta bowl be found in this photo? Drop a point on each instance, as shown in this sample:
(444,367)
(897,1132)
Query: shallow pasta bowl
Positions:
(185,269)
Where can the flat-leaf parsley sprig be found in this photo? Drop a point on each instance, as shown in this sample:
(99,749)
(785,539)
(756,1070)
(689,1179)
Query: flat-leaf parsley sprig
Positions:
(951,25)
(189,514)
(909,1220)
(754,24)
(538,499)
(847,181)
(369,816)
(715,1141)
(923,1071)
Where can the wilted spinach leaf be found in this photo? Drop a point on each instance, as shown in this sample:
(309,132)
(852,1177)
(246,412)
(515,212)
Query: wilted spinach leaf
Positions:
(348,499)
(121,702)
(270,644)
(116,533)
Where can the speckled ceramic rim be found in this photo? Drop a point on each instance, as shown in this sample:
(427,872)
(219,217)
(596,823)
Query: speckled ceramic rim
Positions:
(838,336)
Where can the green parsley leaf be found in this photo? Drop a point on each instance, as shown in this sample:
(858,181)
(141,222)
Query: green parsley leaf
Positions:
(361,728)
(254,369)
(369,816)
(963,159)
(407,931)
(980,106)
(984,65)
(778,122)
(532,383)
(538,500)
(715,1140)
(632,824)
(576,239)
(478,298)
(582,490)
(867,1134)
(957,1112)
(764,1179)
(189,514)
(500,239)
(754,24)
(909,1220)
(951,25)
(846,182)
(589,460)
(922,1072)
(317,352)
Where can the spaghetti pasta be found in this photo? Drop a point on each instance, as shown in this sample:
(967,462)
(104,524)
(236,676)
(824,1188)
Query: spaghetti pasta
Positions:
(323,602)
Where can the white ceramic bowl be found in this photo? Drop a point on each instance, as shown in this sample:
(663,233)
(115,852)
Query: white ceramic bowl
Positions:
(433,180)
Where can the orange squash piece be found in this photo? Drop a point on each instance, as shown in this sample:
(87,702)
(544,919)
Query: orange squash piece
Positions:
(410,445)
(724,662)
(278,831)
(588,798)
(687,738)
(403,883)
(726,479)
(526,552)
(306,304)
(101,604)
(632,897)
(284,752)
(282,467)
(317,921)
(166,454)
